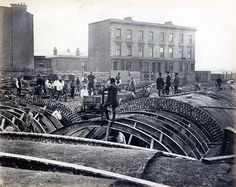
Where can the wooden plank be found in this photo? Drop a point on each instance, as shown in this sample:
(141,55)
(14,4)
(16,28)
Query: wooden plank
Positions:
(13,120)
(3,123)
(216,159)
(151,144)
(107,131)
(131,135)
(161,136)
(78,168)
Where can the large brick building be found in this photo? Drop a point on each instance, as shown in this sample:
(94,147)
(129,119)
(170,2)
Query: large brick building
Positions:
(147,48)
(16,38)
(61,64)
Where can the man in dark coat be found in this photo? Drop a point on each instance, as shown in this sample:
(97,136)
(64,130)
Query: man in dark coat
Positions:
(91,78)
(176,83)
(111,99)
(39,86)
(72,88)
(168,83)
(118,79)
(159,84)
(218,83)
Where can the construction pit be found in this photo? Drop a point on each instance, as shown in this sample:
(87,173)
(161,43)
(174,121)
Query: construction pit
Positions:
(179,140)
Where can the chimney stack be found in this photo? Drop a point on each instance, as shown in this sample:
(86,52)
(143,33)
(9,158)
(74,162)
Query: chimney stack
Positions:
(128,19)
(77,52)
(55,51)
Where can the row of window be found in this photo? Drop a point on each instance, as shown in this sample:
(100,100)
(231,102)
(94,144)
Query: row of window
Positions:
(155,67)
(151,36)
(150,51)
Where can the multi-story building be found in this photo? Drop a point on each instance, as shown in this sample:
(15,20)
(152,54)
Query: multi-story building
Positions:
(61,63)
(147,48)
(68,64)
(16,38)
(42,63)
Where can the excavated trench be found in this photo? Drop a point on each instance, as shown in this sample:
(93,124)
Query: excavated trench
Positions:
(161,134)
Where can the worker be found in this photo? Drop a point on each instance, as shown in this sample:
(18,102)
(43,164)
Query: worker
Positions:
(111,99)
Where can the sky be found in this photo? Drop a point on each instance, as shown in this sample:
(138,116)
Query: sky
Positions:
(64,24)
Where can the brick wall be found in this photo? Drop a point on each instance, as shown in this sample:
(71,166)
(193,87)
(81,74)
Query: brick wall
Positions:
(99,46)
(16,38)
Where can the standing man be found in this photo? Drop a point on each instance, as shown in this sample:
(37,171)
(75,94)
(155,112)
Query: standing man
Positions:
(28,120)
(159,84)
(91,78)
(78,84)
(83,92)
(176,83)
(111,99)
(118,79)
(65,90)
(218,83)
(59,89)
(132,86)
(49,87)
(72,88)
(39,86)
(168,83)
(18,86)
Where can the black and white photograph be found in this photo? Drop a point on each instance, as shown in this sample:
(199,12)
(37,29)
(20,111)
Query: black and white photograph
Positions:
(117,93)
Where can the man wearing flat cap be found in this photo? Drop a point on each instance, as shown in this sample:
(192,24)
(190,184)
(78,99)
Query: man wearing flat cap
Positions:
(176,83)
(28,116)
(111,99)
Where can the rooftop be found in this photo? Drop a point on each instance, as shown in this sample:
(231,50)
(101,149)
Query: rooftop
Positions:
(129,21)
(66,56)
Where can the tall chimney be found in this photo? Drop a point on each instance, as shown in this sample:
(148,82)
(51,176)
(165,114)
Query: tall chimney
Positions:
(77,52)
(55,51)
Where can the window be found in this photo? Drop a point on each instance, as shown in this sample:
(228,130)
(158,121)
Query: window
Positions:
(140,66)
(118,49)
(171,67)
(150,51)
(146,67)
(129,50)
(133,66)
(166,67)
(122,66)
(192,67)
(128,65)
(115,65)
(181,52)
(118,33)
(140,51)
(181,38)
(150,36)
(129,35)
(140,35)
(41,64)
(162,52)
(154,67)
(171,37)
(190,38)
(162,36)
(170,52)
(186,67)
(159,67)
(189,53)
(180,67)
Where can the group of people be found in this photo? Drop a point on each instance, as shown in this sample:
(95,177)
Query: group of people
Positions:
(163,87)
(58,88)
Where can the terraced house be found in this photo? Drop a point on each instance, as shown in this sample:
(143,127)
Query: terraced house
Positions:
(142,48)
